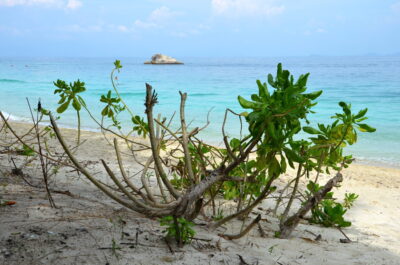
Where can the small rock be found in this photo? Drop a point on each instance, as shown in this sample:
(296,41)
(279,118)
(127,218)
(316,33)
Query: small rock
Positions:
(162,59)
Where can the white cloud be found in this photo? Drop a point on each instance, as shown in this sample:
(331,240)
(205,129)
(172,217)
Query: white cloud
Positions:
(70,4)
(237,8)
(73,4)
(157,18)
(162,14)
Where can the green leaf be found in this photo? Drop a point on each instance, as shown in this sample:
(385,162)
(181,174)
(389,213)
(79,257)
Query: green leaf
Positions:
(311,130)
(361,113)
(302,81)
(293,156)
(234,143)
(104,112)
(81,101)
(271,81)
(76,105)
(117,64)
(262,90)
(366,128)
(27,151)
(313,95)
(248,104)
(63,107)
(345,107)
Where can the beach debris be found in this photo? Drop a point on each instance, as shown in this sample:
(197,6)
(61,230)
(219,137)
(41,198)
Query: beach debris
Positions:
(162,59)
(7,203)
(317,237)
(261,230)
(244,231)
(243,262)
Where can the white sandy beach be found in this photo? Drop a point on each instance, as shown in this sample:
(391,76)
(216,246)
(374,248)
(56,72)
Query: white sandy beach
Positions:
(80,230)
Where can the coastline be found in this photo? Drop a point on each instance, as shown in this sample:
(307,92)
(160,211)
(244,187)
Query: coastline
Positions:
(375,231)
(358,161)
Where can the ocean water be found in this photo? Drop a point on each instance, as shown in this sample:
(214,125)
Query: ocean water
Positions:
(214,84)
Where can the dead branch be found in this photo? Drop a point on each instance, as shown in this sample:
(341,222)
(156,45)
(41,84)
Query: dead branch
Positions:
(245,231)
(290,224)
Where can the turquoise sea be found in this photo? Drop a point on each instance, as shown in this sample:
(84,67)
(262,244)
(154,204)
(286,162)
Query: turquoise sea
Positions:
(215,83)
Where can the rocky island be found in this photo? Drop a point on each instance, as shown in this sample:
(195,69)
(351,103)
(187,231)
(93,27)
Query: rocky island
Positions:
(162,59)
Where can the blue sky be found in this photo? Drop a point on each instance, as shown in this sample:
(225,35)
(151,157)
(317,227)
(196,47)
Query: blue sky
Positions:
(199,27)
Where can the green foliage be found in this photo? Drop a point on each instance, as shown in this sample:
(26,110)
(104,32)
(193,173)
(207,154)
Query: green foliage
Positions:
(219,215)
(115,248)
(26,151)
(178,182)
(140,126)
(117,64)
(349,199)
(50,131)
(329,212)
(276,117)
(271,249)
(112,108)
(183,233)
(328,141)
(113,105)
(69,93)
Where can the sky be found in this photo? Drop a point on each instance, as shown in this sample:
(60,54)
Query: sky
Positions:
(102,28)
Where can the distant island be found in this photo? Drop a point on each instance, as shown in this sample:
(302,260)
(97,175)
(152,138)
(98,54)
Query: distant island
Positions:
(162,59)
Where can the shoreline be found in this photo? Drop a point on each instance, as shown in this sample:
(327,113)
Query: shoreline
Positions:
(358,161)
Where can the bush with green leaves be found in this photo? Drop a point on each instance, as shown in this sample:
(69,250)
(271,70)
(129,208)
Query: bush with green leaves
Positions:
(190,175)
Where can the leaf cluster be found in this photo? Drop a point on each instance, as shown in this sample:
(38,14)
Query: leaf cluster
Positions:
(112,108)
(69,93)
(329,212)
(182,231)
(276,116)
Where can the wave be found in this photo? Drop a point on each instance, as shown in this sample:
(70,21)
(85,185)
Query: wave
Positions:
(13,117)
(5,80)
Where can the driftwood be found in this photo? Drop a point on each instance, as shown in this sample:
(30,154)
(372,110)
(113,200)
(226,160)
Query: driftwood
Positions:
(287,227)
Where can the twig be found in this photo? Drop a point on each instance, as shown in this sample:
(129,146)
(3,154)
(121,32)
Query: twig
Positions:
(168,245)
(242,261)
(244,232)
(42,163)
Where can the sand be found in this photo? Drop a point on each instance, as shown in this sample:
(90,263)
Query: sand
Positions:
(86,223)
